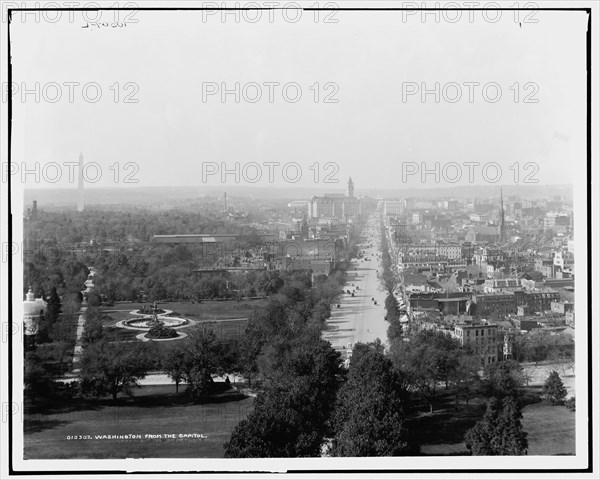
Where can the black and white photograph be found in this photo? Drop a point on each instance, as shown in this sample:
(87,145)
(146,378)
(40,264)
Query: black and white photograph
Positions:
(303,239)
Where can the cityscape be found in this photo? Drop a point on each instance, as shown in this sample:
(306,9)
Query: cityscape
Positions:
(282,328)
(299,240)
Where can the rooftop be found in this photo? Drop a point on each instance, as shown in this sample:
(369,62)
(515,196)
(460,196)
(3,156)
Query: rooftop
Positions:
(494,294)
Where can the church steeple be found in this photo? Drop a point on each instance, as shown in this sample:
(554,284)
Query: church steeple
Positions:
(304,226)
(350,189)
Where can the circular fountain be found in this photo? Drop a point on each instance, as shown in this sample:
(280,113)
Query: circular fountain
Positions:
(158,327)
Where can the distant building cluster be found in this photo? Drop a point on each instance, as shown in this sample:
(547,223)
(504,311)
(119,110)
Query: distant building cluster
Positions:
(308,239)
(483,270)
(335,205)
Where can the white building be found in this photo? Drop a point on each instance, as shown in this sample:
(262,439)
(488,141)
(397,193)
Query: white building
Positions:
(451,250)
(32,309)
(392,207)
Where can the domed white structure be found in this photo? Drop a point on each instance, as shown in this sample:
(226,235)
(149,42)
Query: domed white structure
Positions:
(32,309)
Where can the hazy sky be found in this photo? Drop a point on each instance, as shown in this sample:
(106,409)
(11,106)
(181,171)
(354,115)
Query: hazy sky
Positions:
(371,61)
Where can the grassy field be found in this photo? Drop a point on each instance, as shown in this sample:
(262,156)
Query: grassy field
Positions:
(442,432)
(538,374)
(224,329)
(204,311)
(550,429)
(153,410)
(227,318)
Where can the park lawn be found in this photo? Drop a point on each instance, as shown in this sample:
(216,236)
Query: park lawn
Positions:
(442,432)
(230,325)
(153,410)
(121,334)
(550,429)
(226,318)
(216,310)
(224,330)
(207,310)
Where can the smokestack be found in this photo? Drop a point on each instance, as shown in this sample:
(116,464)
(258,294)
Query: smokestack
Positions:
(80,204)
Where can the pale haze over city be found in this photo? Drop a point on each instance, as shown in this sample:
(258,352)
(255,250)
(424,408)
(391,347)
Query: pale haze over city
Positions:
(521,100)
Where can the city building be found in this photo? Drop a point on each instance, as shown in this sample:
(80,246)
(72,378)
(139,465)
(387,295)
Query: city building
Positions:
(482,233)
(499,303)
(487,255)
(215,238)
(393,207)
(335,205)
(453,304)
(561,307)
(482,339)
(449,251)
(507,345)
(526,323)
(501,285)
(537,300)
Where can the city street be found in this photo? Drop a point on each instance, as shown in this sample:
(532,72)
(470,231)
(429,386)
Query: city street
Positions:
(358,319)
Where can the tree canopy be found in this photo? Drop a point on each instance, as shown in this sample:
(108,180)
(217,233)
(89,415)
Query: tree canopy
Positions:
(369,416)
(114,367)
(554,389)
(499,432)
(430,357)
(290,418)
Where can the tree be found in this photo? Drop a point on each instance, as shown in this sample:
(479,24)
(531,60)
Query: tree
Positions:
(499,432)
(527,374)
(478,439)
(201,360)
(504,379)
(93,298)
(369,415)
(267,432)
(536,347)
(327,289)
(395,330)
(465,377)
(35,376)
(54,307)
(93,329)
(570,403)
(114,367)
(510,439)
(173,363)
(391,308)
(250,347)
(269,282)
(202,355)
(389,278)
(554,389)
(428,359)
(291,416)
(43,334)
